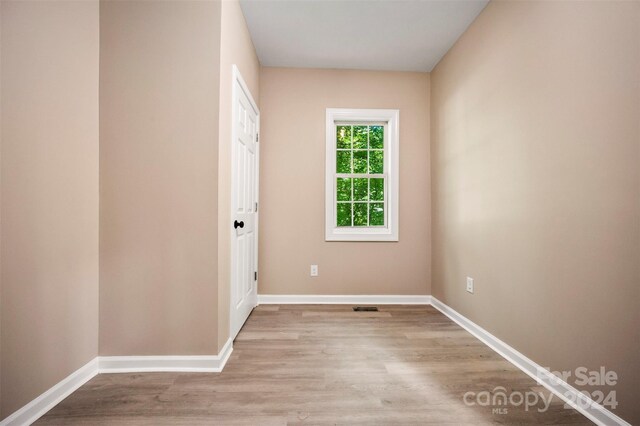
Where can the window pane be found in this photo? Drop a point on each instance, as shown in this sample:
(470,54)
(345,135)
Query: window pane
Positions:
(344,214)
(360,214)
(376,161)
(360,189)
(343,137)
(343,162)
(376,137)
(376,214)
(360,137)
(343,186)
(376,189)
(359,161)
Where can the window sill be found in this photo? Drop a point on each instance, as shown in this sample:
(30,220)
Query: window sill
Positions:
(371,235)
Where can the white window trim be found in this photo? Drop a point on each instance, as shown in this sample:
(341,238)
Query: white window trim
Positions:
(391,167)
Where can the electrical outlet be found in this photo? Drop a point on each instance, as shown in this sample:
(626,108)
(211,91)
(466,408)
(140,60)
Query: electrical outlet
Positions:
(470,285)
(314,270)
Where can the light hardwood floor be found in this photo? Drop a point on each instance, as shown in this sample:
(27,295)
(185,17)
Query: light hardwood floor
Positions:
(323,364)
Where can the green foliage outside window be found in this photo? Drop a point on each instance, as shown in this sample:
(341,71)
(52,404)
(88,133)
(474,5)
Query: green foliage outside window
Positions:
(360,198)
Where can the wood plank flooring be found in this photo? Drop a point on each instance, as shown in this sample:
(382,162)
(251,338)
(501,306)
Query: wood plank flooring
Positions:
(323,364)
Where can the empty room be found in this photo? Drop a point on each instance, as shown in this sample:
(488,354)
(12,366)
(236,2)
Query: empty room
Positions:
(272,212)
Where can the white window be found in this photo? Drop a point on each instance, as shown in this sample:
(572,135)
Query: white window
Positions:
(362,175)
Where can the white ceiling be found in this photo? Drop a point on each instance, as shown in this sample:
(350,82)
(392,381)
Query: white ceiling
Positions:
(400,35)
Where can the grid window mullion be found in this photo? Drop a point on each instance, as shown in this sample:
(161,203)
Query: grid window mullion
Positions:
(368,178)
(352,180)
(373,217)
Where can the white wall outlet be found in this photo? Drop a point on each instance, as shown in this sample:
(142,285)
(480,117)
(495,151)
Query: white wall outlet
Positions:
(470,285)
(314,270)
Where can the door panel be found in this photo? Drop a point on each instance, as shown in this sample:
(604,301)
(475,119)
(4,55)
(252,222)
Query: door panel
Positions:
(244,198)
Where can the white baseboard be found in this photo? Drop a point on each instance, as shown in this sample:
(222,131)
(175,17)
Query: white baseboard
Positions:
(147,364)
(586,406)
(116,364)
(312,299)
(45,402)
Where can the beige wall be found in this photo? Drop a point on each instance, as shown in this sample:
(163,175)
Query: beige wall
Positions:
(536,191)
(236,48)
(49,190)
(159,83)
(164,244)
(292,174)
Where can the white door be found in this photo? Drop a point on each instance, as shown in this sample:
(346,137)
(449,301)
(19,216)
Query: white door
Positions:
(244,204)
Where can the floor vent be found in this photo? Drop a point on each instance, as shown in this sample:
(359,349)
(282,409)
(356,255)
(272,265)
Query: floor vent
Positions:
(365,308)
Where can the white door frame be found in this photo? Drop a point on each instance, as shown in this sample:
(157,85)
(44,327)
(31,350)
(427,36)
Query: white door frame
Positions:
(236,81)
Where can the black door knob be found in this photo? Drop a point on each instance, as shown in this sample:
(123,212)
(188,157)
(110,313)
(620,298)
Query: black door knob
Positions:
(237,224)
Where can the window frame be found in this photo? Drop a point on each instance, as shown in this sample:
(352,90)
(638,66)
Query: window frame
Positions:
(391,120)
